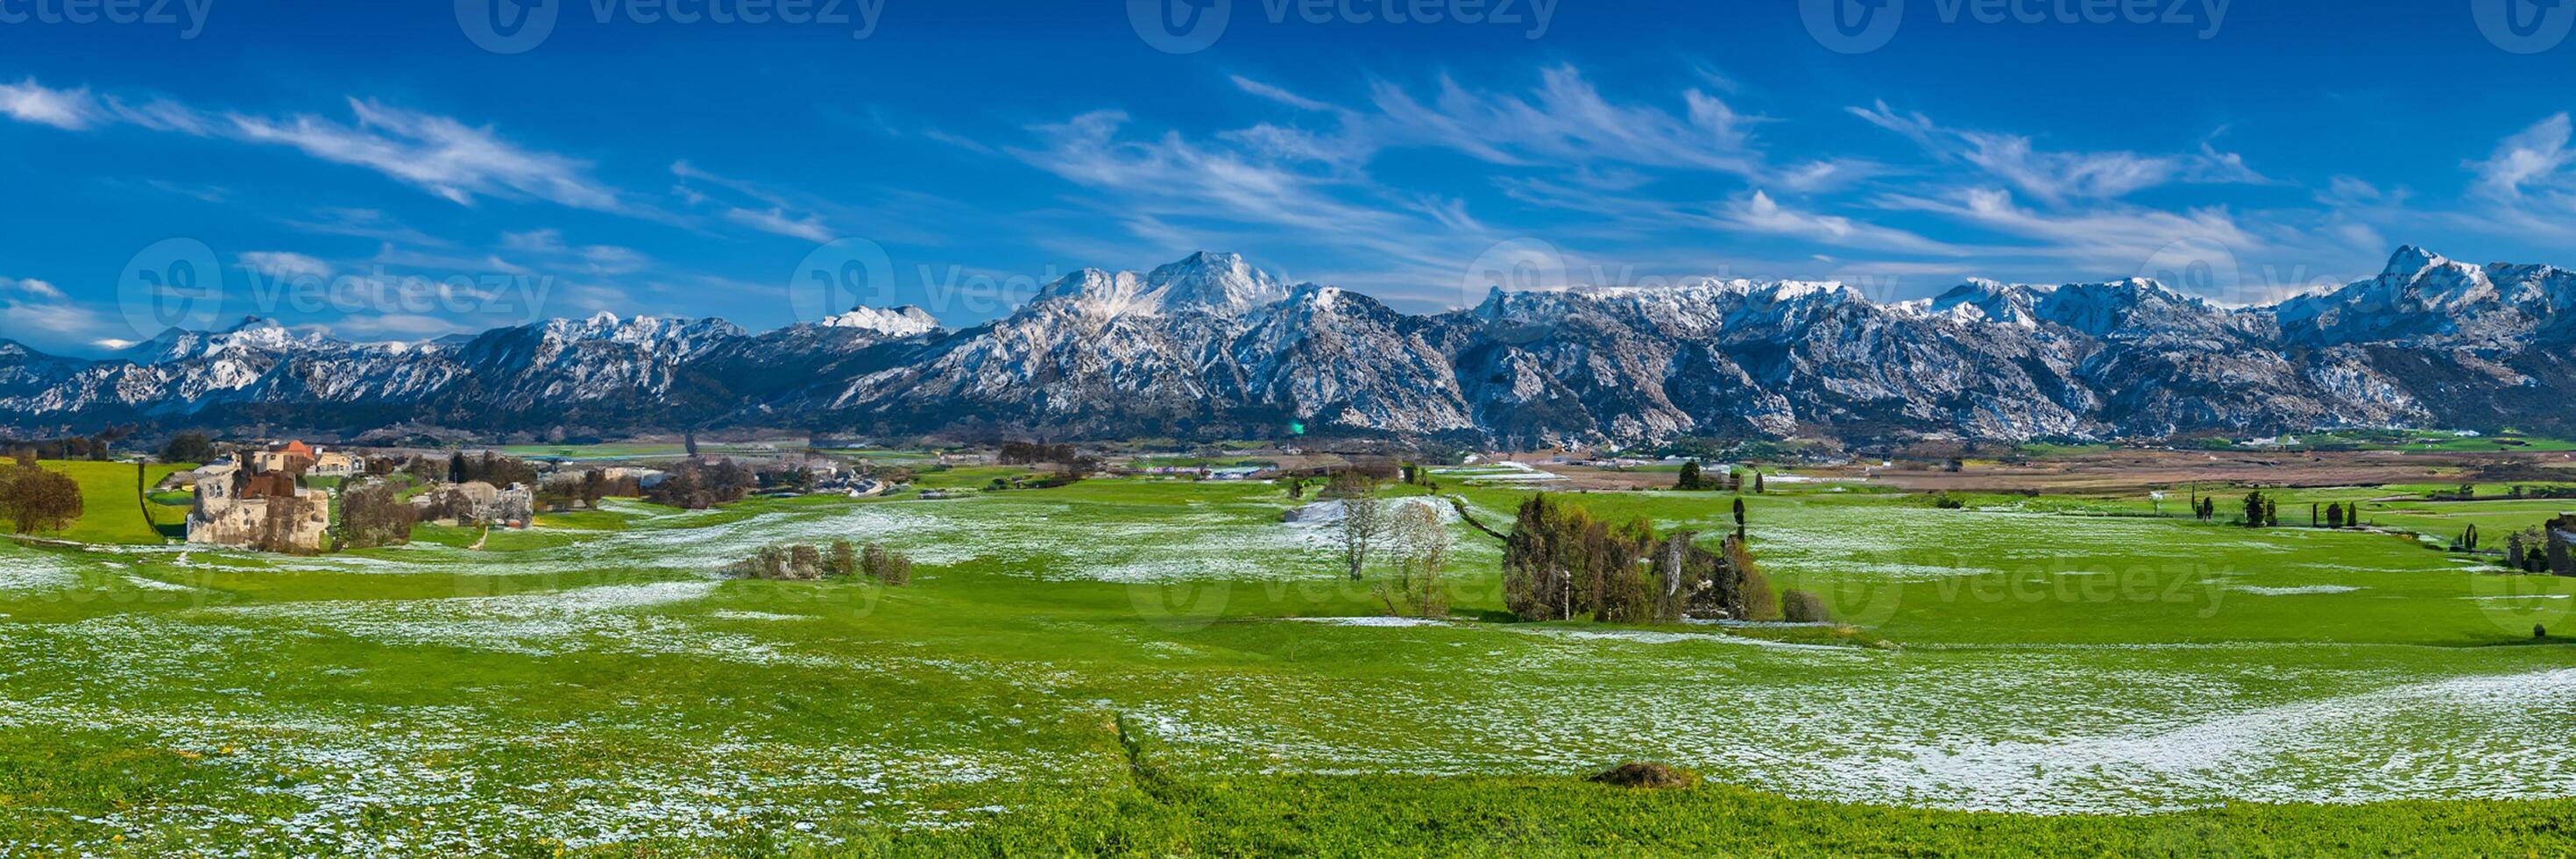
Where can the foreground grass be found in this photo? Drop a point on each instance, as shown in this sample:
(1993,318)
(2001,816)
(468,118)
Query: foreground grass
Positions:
(1109,668)
(1490,816)
(1146,811)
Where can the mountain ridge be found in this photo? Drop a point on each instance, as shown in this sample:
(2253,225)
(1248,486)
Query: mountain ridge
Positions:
(1210,346)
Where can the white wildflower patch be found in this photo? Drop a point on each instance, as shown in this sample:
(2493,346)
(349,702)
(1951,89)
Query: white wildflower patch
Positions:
(2294,590)
(33,570)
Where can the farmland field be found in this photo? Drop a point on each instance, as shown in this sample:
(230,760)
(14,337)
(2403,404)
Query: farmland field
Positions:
(1157,667)
(113,507)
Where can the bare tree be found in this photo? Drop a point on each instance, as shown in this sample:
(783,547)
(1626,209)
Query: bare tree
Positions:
(1365,522)
(1420,541)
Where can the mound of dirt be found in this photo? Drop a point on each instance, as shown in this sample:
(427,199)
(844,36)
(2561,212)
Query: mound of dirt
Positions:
(1649,776)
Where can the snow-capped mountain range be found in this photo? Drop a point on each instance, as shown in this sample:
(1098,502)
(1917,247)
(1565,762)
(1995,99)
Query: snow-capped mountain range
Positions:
(1210,347)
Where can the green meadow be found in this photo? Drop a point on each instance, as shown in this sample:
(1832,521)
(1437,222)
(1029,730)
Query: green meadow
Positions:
(114,508)
(1165,667)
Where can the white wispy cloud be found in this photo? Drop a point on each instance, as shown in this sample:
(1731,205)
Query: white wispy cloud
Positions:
(2059,176)
(1759,213)
(549,244)
(443,155)
(31,287)
(1234,190)
(776,220)
(761,207)
(1567,121)
(2532,156)
(29,101)
(42,316)
(284,264)
(439,154)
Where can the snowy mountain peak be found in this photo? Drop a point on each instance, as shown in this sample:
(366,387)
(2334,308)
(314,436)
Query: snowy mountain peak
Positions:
(1982,300)
(904,321)
(606,326)
(1214,281)
(1219,283)
(2410,260)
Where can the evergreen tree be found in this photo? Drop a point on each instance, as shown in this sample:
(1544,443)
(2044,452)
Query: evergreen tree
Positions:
(1690,479)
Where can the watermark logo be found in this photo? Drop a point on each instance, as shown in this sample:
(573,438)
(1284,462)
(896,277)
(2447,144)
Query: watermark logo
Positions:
(2208,268)
(506,26)
(1183,605)
(1862,26)
(1191,26)
(2204,267)
(1516,265)
(838,276)
(519,26)
(186,16)
(171,283)
(1852,26)
(1179,26)
(2524,604)
(2524,26)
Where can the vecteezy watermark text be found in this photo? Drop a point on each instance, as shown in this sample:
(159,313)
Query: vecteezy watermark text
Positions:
(1861,26)
(519,26)
(189,16)
(376,291)
(849,273)
(177,283)
(1190,26)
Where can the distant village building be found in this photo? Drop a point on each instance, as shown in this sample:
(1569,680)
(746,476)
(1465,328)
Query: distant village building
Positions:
(298,457)
(327,463)
(293,456)
(477,502)
(262,506)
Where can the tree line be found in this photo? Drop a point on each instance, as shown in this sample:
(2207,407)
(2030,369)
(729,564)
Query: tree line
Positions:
(1560,562)
(96,447)
(1695,478)
(694,484)
(804,562)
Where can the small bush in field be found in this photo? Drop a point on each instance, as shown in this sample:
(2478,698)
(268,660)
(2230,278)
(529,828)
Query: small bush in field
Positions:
(1803,607)
(890,567)
(798,561)
(1648,776)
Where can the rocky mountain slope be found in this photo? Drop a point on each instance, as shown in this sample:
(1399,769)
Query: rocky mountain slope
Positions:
(1211,347)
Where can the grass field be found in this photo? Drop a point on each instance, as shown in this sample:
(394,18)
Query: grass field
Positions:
(113,508)
(1160,667)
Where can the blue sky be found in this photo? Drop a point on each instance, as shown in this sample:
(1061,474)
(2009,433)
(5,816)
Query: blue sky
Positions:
(371,169)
